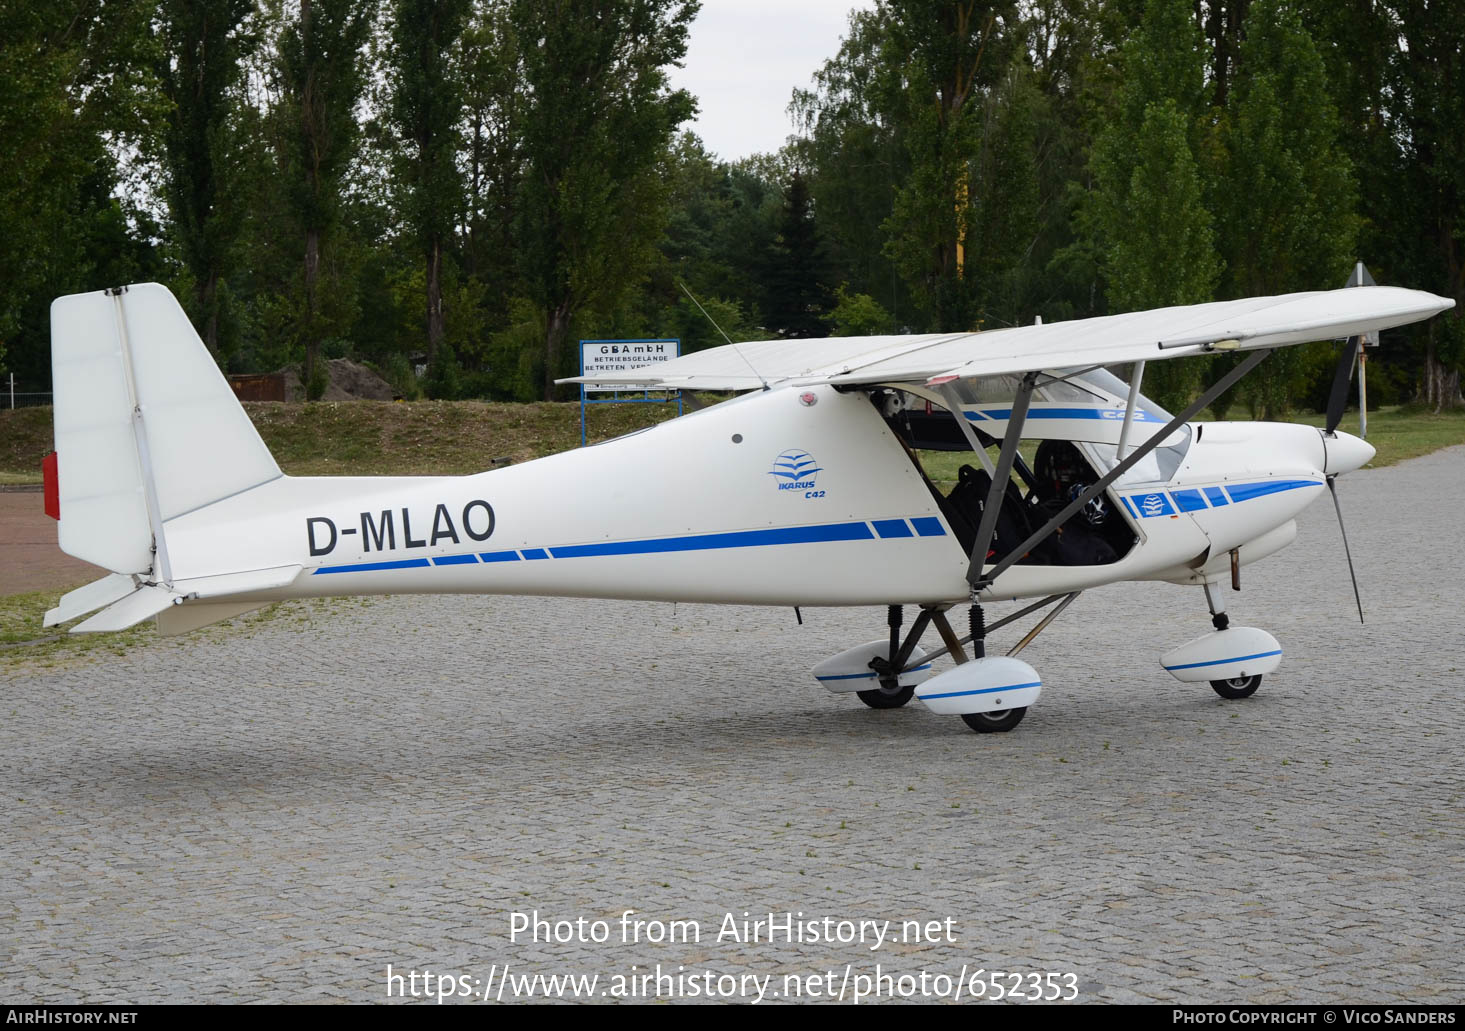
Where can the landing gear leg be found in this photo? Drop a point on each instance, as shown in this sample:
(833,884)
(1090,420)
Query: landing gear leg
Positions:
(1216,602)
(999,719)
(890,695)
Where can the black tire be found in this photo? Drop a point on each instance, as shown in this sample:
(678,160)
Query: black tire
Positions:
(881,698)
(995,721)
(1237,687)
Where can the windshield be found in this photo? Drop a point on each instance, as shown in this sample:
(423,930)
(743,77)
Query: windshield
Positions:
(1156,467)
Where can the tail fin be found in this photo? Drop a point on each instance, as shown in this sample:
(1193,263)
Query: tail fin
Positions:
(146,427)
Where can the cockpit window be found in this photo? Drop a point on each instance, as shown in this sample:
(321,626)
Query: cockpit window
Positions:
(1104,382)
(1156,467)
(1091,387)
(1070,390)
(987,390)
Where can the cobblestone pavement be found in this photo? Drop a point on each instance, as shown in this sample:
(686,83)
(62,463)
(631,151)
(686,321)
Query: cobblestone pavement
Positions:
(278,812)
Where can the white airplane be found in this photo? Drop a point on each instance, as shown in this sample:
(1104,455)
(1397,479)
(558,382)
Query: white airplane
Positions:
(804,490)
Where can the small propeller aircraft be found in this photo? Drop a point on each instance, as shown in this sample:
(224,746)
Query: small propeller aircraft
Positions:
(803,490)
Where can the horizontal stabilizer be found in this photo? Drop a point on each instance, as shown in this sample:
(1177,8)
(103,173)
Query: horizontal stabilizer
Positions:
(151,600)
(180,619)
(93,596)
(247,582)
(137,606)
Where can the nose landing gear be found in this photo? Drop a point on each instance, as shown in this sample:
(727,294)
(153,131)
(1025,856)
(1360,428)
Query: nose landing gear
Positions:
(1230,659)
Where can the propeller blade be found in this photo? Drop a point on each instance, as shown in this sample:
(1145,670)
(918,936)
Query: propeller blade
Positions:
(1333,489)
(1342,377)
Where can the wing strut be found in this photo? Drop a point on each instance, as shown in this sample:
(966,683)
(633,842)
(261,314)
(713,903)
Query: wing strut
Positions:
(981,580)
(1134,381)
(988,527)
(953,405)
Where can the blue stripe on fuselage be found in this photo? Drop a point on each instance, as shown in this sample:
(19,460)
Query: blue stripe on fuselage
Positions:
(925,526)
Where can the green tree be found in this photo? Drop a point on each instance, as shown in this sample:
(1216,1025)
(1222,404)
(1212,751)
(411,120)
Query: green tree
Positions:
(1147,213)
(425,109)
(599,119)
(852,147)
(1160,245)
(43,156)
(1002,221)
(1161,61)
(794,272)
(858,315)
(959,50)
(203,45)
(320,70)
(719,229)
(77,82)
(494,103)
(1418,199)
(1160,248)
(953,131)
(1287,209)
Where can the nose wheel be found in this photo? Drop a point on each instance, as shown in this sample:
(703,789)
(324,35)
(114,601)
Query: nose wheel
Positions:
(996,721)
(1237,687)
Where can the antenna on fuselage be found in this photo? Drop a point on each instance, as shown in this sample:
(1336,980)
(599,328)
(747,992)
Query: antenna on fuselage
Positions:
(729,339)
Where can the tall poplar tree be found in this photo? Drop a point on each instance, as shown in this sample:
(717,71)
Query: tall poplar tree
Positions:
(425,109)
(796,294)
(203,45)
(77,82)
(959,50)
(1288,205)
(1147,210)
(1421,202)
(321,69)
(598,123)
(853,126)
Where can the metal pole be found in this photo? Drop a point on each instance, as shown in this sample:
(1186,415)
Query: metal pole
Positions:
(953,645)
(1134,379)
(948,638)
(953,405)
(1043,623)
(1363,389)
(988,528)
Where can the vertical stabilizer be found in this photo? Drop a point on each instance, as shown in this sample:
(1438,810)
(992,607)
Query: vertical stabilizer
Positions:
(146,427)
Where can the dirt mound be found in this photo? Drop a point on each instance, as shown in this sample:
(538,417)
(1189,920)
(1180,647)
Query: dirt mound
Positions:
(347,381)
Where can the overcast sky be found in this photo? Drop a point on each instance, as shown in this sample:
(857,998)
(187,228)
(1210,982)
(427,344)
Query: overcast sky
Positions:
(746,57)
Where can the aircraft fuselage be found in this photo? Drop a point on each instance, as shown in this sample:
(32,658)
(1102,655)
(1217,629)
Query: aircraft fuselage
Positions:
(790,496)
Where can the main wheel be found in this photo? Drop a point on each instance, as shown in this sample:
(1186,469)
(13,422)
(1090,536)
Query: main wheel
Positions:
(997,720)
(887,698)
(1237,687)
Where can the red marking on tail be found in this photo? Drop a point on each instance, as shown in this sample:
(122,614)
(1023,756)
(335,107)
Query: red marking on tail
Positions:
(52,488)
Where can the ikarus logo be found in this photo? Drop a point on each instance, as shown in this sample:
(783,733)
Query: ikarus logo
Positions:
(796,470)
(1153,504)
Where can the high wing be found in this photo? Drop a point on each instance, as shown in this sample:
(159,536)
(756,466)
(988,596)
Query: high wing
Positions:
(1177,332)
